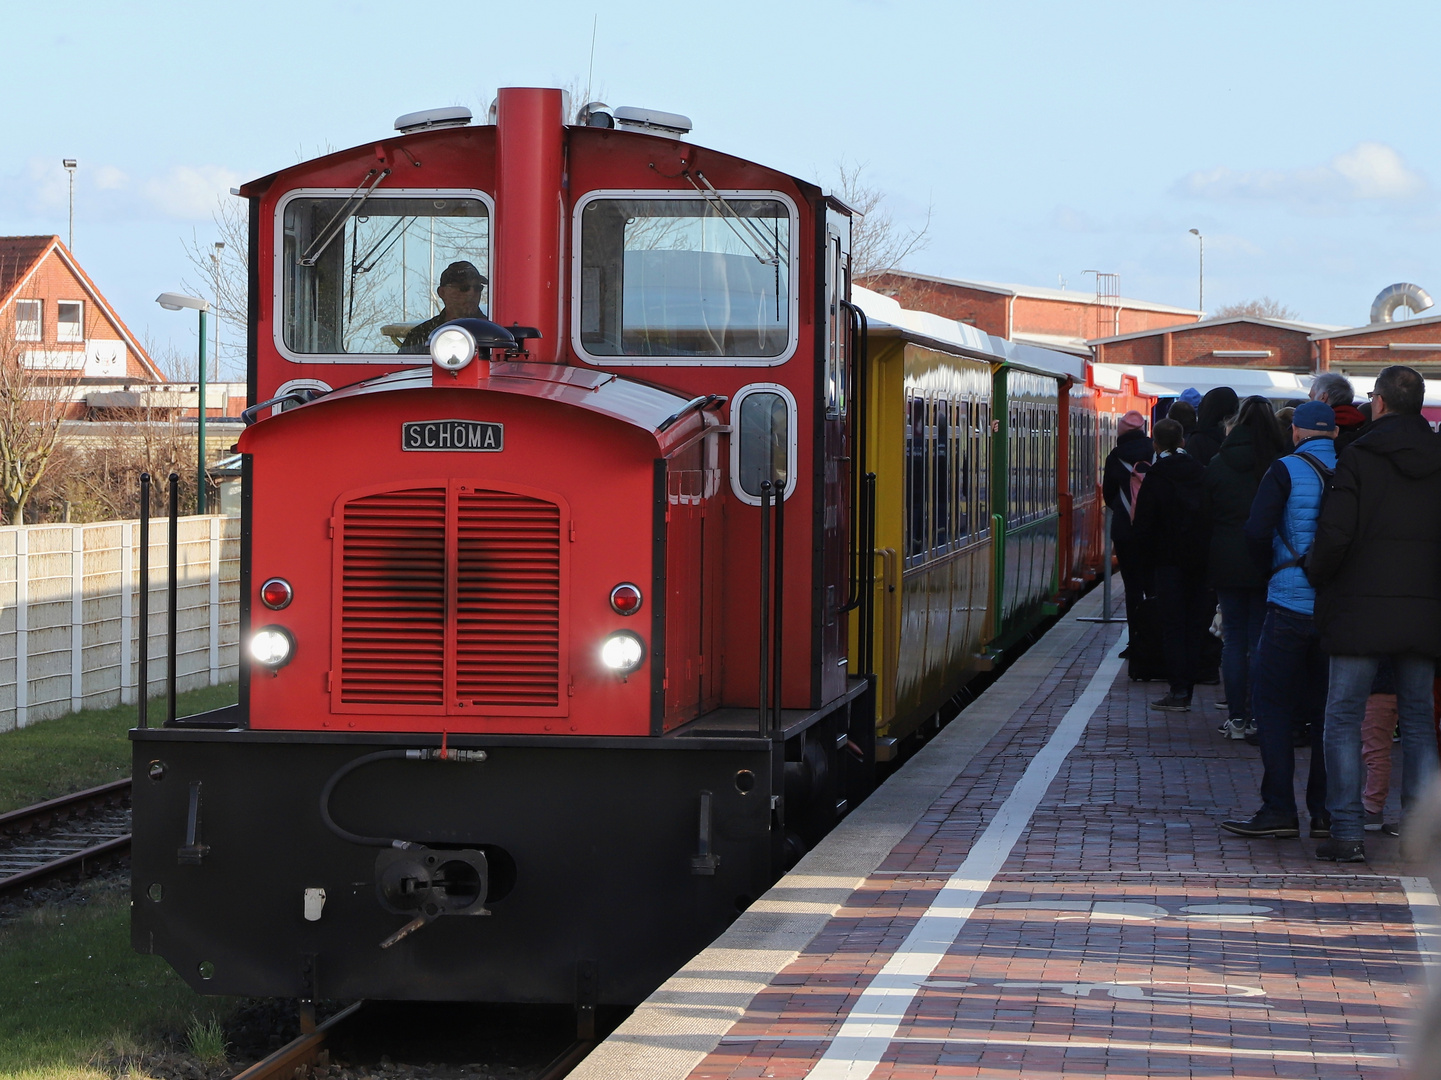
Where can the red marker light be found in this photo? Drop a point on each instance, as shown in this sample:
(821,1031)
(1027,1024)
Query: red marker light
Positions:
(276,594)
(625,599)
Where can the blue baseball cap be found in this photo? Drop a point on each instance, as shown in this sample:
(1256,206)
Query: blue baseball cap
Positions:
(1314,416)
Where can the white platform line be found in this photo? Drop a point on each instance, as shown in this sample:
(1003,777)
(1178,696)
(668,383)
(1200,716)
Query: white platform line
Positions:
(1184,1049)
(871,1025)
(1426,918)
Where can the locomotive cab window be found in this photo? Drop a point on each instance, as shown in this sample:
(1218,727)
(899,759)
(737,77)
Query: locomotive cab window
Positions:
(763,445)
(357,280)
(699,280)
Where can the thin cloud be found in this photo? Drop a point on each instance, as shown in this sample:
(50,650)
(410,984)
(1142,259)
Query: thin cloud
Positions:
(181,193)
(1368,172)
(189,192)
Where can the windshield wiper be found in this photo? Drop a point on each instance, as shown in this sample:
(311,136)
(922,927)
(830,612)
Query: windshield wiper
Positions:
(364,264)
(749,234)
(350,206)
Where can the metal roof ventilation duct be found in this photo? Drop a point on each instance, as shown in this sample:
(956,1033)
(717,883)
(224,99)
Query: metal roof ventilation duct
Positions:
(1403,294)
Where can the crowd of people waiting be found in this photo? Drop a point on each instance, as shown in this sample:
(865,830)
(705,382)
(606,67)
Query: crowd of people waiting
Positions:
(1315,533)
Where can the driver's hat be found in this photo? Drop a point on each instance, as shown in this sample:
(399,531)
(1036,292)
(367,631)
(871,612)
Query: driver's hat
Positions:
(462,273)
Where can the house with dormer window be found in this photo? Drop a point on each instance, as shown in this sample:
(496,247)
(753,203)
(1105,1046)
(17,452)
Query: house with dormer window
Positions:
(60,320)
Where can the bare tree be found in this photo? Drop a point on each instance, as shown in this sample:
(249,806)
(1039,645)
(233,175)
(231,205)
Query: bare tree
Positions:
(102,480)
(222,277)
(878,244)
(1264,308)
(34,399)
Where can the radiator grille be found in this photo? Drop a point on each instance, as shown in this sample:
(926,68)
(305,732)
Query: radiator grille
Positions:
(507,600)
(504,577)
(392,623)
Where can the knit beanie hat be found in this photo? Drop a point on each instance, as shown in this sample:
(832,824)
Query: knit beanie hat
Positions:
(1130,422)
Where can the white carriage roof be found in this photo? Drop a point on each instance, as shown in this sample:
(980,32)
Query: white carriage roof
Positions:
(947,333)
(1155,380)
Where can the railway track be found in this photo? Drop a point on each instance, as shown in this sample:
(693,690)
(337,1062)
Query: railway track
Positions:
(64,837)
(311,1053)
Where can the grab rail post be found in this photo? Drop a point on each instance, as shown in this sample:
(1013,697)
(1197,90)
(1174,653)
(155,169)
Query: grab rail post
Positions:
(764,697)
(174,596)
(143,655)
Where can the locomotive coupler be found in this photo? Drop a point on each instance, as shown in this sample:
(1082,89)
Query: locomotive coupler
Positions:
(425,884)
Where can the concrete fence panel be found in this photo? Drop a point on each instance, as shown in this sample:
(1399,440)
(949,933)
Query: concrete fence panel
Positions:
(70,613)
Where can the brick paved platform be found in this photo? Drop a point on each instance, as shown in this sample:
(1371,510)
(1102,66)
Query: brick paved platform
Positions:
(1045,892)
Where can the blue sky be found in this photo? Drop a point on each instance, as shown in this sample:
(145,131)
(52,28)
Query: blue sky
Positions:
(1048,138)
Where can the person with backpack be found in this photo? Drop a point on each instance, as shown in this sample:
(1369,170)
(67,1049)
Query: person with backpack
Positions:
(1125,468)
(1377,571)
(1288,689)
(1232,478)
(1171,536)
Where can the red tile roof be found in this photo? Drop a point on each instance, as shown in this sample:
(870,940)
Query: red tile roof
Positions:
(18,256)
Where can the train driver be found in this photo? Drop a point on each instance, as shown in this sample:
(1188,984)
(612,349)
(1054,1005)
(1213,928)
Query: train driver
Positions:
(460,290)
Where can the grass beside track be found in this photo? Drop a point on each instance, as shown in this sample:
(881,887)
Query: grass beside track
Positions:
(75,999)
(51,758)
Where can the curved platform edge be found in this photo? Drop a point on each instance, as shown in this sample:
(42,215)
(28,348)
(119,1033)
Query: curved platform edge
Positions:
(673,1030)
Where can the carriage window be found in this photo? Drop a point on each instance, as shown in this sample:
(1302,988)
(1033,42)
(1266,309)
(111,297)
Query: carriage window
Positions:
(916,479)
(762,445)
(960,465)
(695,277)
(983,465)
(942,479)
(359,279)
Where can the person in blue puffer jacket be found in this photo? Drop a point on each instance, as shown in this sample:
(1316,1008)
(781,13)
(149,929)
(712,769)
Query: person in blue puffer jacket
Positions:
(1289,691)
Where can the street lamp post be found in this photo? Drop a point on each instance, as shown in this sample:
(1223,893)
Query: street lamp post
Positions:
(215,264)
(70,164)
(174,302)
(1201,279)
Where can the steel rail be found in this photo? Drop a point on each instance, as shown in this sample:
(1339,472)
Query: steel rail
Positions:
(40,817)
(300,1052)
(26,816)
(569,1058)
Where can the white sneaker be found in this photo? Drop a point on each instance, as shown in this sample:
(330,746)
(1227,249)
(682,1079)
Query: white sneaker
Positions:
(1234,728)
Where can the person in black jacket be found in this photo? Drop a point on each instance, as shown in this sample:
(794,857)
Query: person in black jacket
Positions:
(1133,453)
(1217,407)
(1232,478)
(1172,539)
(1376,566)
(1184,413)
(1335,390)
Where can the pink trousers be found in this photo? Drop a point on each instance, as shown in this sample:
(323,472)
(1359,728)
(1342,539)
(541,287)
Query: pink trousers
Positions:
(1377,727)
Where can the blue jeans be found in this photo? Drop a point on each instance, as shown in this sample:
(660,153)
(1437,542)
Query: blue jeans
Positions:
(1242,613)
(1288,690)
(1351,678)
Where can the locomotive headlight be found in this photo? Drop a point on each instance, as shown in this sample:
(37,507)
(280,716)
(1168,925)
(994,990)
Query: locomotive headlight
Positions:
(452,348)
(272,646)
(622,652)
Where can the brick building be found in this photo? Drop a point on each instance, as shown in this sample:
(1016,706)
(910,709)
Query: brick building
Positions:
(1365,350)
(1240,341)
(59,318)
(1061,319)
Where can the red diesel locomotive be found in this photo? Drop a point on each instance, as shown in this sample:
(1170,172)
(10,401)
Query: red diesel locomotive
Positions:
(562,641)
